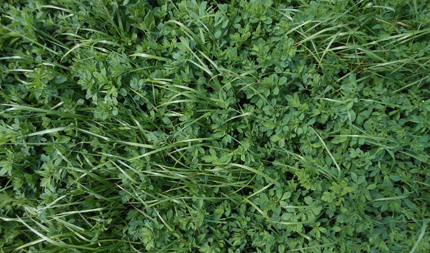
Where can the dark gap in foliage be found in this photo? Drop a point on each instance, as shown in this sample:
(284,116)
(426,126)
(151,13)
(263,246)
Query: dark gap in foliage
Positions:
(243,100)
(155,3)
(365,147)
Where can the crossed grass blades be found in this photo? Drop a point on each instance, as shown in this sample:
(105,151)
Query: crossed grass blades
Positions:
(230,126)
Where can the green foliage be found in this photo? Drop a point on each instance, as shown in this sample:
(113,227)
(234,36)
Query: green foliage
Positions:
(214,126)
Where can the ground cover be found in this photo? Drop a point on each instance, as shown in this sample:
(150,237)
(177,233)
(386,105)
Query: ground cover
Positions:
(217,126)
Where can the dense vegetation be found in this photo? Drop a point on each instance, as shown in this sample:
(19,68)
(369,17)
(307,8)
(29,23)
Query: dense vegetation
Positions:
(218,126)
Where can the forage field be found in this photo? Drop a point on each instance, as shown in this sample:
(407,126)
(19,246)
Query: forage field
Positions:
(214,126)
